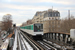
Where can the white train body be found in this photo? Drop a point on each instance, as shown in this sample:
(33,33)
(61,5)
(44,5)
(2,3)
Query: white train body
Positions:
(35,29)
(31,32)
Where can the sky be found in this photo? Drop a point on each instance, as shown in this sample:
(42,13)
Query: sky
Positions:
(22,10)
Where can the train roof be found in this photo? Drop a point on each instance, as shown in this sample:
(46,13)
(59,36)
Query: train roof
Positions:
(32,24)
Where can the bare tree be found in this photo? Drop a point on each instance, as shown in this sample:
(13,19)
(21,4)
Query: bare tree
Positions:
(67,24)
(7,21)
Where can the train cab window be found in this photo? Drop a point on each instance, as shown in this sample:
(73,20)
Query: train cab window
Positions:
(38,27)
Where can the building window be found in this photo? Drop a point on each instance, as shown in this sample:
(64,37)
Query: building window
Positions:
(52,22)
(58,26)
(37,21)
(58,22)
(50,30)
(49,18)
(40,21)
(55,15)
(58,14)
(51,15)
(37,18)
(52,18)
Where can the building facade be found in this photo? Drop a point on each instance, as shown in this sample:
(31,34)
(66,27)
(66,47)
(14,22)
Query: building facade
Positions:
(28,22)
(1,25)
(50,20)
(38,17)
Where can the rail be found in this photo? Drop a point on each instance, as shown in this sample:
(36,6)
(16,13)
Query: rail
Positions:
(32,42)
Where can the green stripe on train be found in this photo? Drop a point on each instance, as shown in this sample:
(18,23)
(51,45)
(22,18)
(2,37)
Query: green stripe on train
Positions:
(29,27)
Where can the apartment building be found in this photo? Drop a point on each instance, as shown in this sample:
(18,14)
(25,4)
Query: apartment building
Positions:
(50,19)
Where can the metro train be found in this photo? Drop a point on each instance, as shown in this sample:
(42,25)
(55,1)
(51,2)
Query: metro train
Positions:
(35,30)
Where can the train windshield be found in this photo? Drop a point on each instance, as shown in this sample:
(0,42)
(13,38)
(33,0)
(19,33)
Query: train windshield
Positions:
(38,27)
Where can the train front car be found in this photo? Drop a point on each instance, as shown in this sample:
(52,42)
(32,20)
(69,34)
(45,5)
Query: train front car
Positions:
(38,31)
(33,30)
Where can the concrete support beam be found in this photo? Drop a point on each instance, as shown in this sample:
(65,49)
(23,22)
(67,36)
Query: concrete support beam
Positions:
(61,37)
(57,36)
(66,38)
(54,36)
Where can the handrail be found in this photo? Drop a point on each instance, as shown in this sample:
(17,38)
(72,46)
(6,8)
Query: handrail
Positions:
(5,44)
